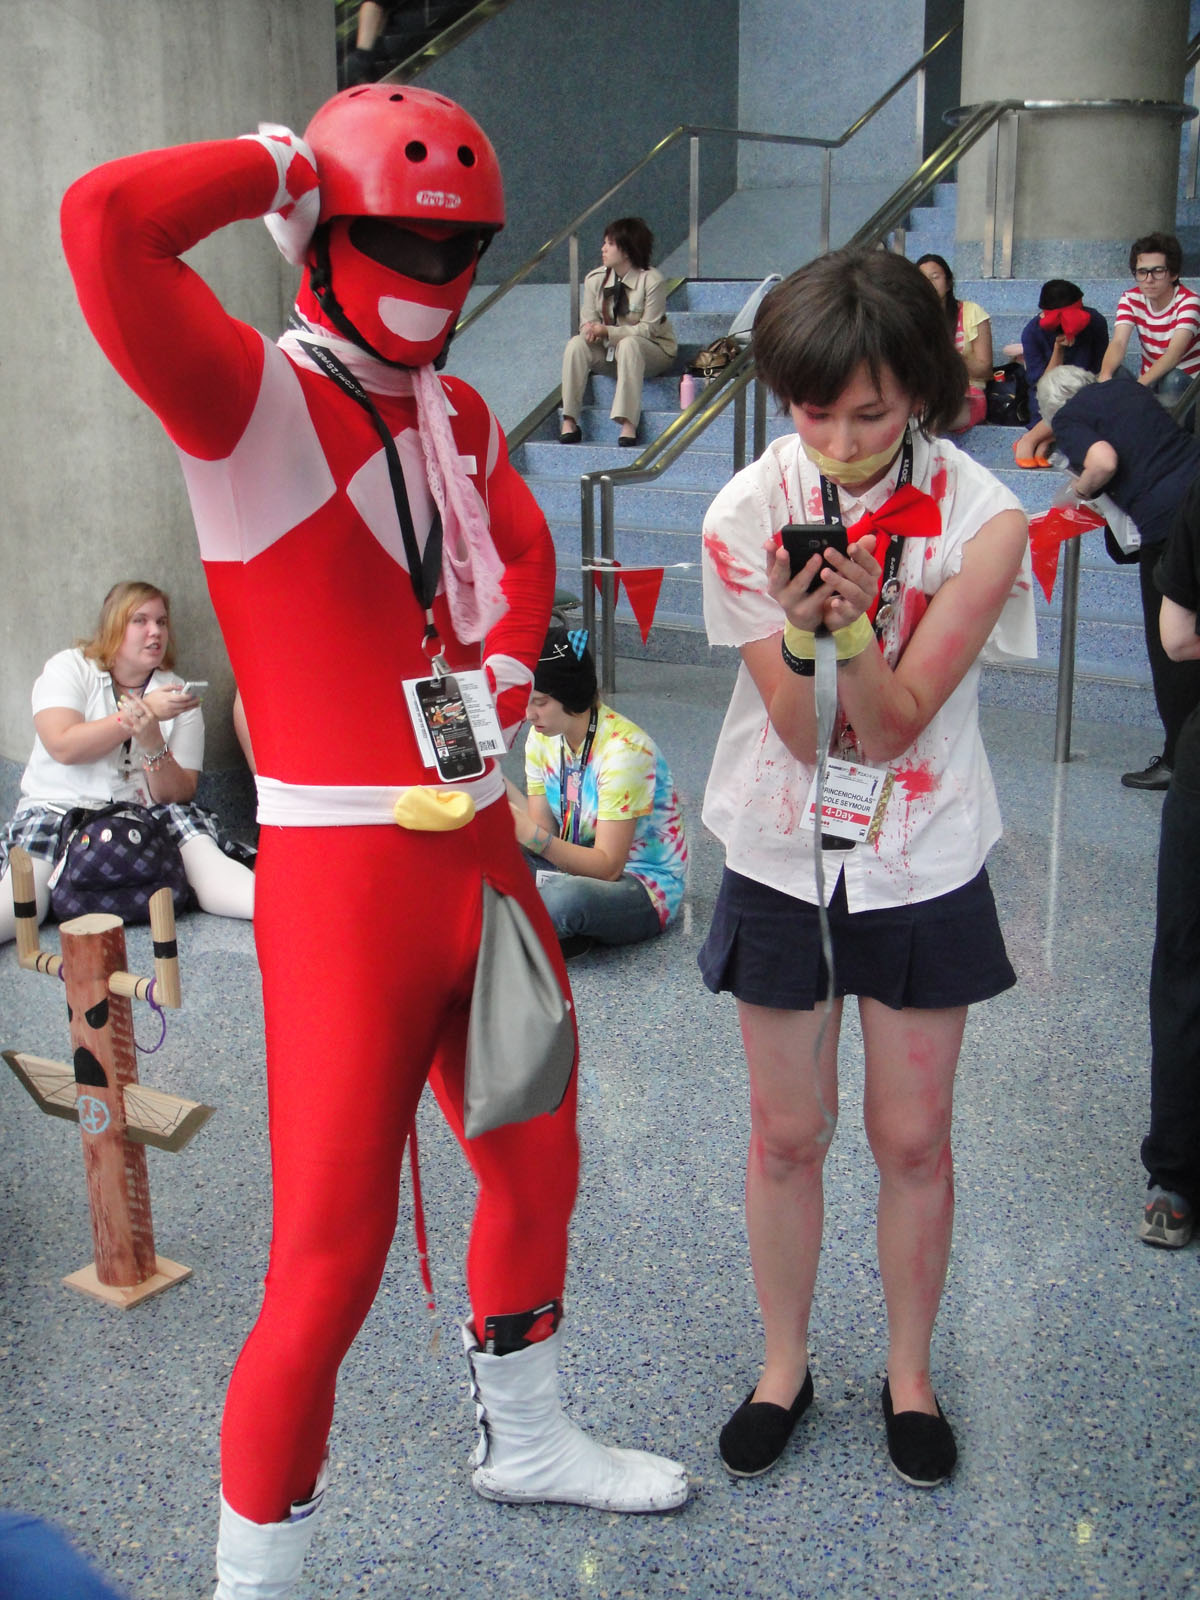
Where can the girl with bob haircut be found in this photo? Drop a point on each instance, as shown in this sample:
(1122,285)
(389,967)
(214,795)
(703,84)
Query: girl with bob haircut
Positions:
(112,721)
(937,568)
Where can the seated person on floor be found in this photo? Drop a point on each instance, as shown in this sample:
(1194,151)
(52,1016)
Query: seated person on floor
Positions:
(623,329)
(1065,333)
(113,722)
(971,330)
(1166,314)
(601,812)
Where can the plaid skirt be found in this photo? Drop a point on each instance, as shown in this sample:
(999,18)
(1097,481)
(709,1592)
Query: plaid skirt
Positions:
(36,828)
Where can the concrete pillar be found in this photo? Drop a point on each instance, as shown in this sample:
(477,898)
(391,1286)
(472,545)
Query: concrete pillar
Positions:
(92,488)
(1100,178)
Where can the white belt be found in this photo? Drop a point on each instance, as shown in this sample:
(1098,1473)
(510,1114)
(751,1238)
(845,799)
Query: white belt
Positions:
(337,805)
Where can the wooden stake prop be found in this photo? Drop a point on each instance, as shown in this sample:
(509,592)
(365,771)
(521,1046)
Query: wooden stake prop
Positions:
(117,1117)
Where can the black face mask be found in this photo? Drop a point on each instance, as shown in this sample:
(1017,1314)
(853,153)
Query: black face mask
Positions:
(412,255)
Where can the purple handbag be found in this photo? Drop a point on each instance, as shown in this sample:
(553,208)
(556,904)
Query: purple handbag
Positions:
(113,860)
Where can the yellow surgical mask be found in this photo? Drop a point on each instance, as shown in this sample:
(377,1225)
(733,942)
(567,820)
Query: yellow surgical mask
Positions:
(850,473)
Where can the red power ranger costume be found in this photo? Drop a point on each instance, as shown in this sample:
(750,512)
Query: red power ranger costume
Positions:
(366,931)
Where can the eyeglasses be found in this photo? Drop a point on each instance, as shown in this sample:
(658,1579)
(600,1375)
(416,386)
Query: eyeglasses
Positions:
(1150,272)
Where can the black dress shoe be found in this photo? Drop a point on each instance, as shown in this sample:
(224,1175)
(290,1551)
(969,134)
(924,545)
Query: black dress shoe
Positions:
(629,444)
(921,1447)
(755,1436)
(1156,776)
(571,436)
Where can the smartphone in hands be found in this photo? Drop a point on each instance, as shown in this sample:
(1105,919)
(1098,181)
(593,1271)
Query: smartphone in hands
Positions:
(803,540)
(194,687)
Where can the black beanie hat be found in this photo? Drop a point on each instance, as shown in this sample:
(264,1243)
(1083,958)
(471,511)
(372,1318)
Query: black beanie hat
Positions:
(565,669)
(1058,292)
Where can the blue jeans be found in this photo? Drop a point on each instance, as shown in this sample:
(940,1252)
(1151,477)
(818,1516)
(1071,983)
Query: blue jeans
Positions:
(613,913)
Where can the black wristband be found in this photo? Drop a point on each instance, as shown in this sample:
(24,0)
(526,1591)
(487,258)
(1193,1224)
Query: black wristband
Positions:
(802,666)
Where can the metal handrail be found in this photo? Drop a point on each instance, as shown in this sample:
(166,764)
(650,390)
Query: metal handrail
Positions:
(969,125)
(693,132)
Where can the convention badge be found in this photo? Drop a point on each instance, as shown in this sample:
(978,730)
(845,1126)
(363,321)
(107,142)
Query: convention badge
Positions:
(443,727)
(454,718)
(573,788)
(854,801)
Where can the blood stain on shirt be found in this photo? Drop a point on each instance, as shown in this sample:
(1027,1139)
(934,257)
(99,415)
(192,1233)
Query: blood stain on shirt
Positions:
(726,565)
(939,482)
(916,781)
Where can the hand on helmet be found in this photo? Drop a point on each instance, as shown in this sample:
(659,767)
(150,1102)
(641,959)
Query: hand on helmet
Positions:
(293,214)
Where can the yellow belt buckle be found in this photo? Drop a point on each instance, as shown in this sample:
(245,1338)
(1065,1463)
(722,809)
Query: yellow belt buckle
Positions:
(433,810)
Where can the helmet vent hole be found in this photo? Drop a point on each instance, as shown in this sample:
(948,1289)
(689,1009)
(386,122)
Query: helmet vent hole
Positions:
(466,155)
(415,150)
(395,97)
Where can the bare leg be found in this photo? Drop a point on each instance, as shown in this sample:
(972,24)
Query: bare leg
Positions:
(371,18)
(911,1058)
(789,1135)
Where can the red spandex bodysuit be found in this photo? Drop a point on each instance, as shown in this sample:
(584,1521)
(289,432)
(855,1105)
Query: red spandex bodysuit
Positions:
(366,935)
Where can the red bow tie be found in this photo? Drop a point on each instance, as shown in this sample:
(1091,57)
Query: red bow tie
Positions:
(909,513)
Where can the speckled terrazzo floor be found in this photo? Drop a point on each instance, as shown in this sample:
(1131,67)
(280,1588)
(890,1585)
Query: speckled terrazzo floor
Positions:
(1065,1354)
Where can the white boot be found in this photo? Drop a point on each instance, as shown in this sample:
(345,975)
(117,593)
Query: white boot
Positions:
(262,1561)
(528,1450)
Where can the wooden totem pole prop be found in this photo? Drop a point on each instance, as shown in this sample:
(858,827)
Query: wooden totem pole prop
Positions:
(117,1116)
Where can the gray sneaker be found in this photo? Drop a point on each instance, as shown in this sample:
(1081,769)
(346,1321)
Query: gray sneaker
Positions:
(1167,1220)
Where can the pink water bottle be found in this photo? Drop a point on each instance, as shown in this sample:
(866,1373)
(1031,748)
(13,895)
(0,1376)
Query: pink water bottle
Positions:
(689,388)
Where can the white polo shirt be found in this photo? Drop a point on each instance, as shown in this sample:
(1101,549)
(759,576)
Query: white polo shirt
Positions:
(69,679)
(943,817)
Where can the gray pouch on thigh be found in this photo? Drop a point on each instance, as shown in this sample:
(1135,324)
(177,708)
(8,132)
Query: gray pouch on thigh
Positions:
(520,1040)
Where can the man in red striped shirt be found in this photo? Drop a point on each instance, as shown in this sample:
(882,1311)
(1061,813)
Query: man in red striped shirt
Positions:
(1166,314)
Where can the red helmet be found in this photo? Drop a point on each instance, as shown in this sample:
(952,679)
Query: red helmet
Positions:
(389,151)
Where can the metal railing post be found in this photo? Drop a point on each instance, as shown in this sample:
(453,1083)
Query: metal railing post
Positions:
(826,190)
(694,206)
(988,265)
(760,417)
(587,551)
(573,278)
(920,118)
(608,591)
(1011,125)
(1066,651)
(1193,154)
(739,430)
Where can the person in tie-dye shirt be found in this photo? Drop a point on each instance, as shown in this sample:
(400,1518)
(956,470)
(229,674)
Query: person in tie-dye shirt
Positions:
(601,815)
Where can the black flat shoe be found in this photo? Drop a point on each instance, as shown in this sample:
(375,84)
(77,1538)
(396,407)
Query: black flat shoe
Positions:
(1155,776)
(571,436)
(921,1447)
(629,444)
(755,1436)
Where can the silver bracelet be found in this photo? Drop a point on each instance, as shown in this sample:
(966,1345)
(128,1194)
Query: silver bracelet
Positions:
(152,762)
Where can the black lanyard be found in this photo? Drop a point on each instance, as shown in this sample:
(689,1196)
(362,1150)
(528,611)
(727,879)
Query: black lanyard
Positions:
(891,559)
(570,815)
(423,570)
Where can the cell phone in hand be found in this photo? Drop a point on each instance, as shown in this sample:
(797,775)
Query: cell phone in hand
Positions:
(803,540)
(195,687)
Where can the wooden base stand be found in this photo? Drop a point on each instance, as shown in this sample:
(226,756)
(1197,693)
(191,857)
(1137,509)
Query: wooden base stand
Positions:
(164,1275)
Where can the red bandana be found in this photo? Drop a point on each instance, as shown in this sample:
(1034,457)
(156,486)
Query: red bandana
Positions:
(909,513)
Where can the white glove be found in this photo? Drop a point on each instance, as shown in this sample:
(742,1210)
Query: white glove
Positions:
(292,215)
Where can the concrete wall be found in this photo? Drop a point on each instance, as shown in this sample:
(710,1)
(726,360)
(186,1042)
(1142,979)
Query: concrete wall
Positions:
(1101,176)
(92,491)
(573,95)
(811,68)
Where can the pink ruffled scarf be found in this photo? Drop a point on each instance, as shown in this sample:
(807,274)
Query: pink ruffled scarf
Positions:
(471,569)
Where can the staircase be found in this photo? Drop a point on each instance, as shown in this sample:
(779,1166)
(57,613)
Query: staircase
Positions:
(660,523)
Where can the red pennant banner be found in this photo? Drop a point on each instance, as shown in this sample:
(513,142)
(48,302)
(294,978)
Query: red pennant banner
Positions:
(1046,534)
(642,589)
